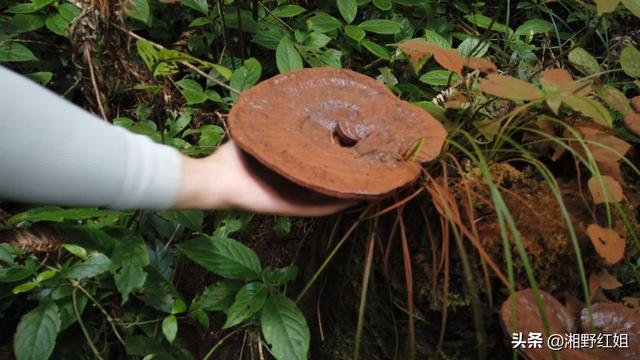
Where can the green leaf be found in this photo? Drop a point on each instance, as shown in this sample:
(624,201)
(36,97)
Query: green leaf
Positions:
(197,5)
(439,78)
(287,57)
(36,334)
(286,11)
(316,40)
(137,9)
(384,5)
(534,26)
(129,278)
(7,253)
(57,214)
(435,38)
(130,250)
(615,98)
(487,23)
(25,287)
(284,328)
(192,91)
(200,21)
(246,76)
(584,62)
(96,264)
(15,52)
(322,22)
(57,24)
(76,250)
(473,46)
(31,7)
(606,6)
(42,77)
(381,26)
(223,256)
(22,23)
(284,275)
(170,328)
(354,32)
(158,292)
(590,108)
(376,49)
(218,297)
(190,219)
(46,275)
(178,307)
(147,53)
(69,12)
(249,300)
(630,61)
(633,6)
(348,9)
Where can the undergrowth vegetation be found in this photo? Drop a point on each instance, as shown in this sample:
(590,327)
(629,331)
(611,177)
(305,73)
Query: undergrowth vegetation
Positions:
(537,186)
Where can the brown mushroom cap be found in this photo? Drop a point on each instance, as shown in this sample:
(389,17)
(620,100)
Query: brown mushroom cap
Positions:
(612,318)
(336,132)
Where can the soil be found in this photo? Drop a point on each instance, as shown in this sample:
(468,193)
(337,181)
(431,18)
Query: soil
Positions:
(336,132)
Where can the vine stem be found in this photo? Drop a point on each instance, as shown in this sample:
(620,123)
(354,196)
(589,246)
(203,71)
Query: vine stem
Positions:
(219,343)
(104,312)
(95,351)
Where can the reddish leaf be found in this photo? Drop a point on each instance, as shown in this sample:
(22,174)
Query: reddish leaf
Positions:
(480,64)
(607,242)
(635,103)
(608,281)
(564,81)
(632,123)
(509,88)
(600,194)
(417,50)
(606,149)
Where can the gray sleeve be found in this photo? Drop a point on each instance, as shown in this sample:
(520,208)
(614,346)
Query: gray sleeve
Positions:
(53,152)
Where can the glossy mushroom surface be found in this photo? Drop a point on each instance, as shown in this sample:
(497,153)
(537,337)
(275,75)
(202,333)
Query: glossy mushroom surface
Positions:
(336,132)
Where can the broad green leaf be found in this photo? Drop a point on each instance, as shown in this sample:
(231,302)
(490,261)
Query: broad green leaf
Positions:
(287,57)
(286,11)
(178,307)
(246,76)
(25,287)
(22,23)
(269,35)
(57,24)
(384,5)
(31,7)
(146,346)
(96,264)
(147,53)
(487,23)
(15,52)
(76,250)
(137,9)
(197,5)
(36,334)
(170,328)
(284,275)
(199,21)
(437,111)
(354,32)
(284,328)
(376,49)
(590,108)
(322,22)
(42,77)
(192,91)
(633,6)
(630,61)
(381,26)
(218,297)
(316,40)
(57,214)
(509,88)
(615,98)
(606,6)
(69,12)
(158,292)
(435,38)
(332,58)
(223,256)
(440,78)
(7,253)
(249,300)
(534,26)
(130,250)
(190,219)
(46,275)
(348,9)
(129,278)
(473,46)
(584,62)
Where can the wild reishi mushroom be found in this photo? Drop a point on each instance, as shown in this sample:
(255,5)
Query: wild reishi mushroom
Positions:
(612,318)
(335,131)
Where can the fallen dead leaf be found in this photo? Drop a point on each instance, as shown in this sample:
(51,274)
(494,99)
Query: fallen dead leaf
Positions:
(608,281)
(418,49)
(632,123)
(609,191)
(606,149)
(480,64)
(564,81)
(635,103)
(607,242)
(509,88)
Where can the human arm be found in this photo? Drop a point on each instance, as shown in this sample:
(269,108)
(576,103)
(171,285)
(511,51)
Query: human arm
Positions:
(53,152)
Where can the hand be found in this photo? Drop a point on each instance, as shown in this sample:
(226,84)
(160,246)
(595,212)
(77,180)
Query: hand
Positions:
(229,178)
